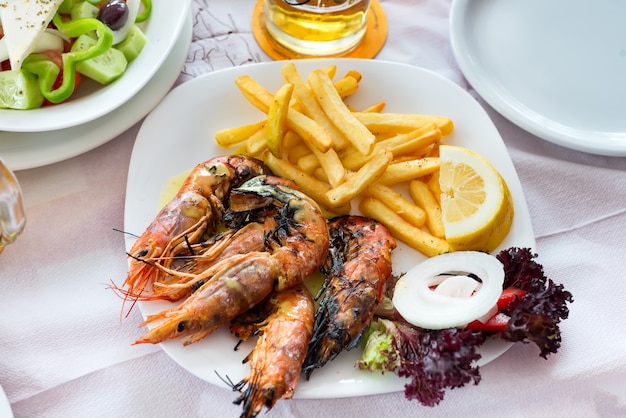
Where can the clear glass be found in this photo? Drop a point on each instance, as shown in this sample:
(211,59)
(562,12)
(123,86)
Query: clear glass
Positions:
(12,217)
(317,27)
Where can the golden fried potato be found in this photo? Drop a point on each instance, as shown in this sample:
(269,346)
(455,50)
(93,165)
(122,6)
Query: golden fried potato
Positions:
(395,122)
(416,238)
(337,111)
(403,207)
(403,171)
(423,197)
(233,136)
(358,182)
(277,119)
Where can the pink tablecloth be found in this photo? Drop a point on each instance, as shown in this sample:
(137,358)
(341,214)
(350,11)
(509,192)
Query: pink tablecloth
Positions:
(64,353)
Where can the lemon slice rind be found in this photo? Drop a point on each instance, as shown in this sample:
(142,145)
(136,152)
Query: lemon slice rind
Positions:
(487,227)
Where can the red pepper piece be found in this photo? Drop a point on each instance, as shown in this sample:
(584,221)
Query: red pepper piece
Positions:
(509,295)
(496,323)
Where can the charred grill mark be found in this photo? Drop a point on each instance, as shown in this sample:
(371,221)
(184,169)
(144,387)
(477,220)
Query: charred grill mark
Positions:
(356,268)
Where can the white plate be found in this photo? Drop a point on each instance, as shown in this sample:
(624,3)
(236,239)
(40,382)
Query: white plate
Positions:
(23,150)
(92,100)
(178,134)
(5,405)
(555,68)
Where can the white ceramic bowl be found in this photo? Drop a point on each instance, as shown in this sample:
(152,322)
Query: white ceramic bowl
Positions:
(92,100)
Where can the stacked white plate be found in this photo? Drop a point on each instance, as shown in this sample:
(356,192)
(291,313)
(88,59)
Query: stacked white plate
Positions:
(37,137)
(555,68)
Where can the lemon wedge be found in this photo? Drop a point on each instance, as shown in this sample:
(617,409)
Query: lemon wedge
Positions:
(476,203)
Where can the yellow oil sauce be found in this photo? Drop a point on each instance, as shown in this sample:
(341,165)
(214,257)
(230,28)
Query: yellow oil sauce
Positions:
(170,188)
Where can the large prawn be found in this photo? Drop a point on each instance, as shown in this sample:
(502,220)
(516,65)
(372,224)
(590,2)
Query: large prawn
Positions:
(294,249)
(284,323)
(183,274)
(356,269)
(195,210)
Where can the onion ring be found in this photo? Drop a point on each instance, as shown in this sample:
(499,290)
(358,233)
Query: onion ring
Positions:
(419,305)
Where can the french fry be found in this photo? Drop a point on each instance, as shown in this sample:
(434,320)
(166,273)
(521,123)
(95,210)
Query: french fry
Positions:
(354,74)
(307,128)
(256,94)
(308,163)
(416,238)
(361,180)
(277,119)
(433,185)
(400,144)
(330,162)
(320,174)
(336,154)
(298,151)
(310,106)
(375,108)
(310,185)
(338,113)
(257,143)
(347,86)
(232,136)
(331,70)
(291,140)
(413,142)
(404,171)
(395,122)
(409,211)
(423,197)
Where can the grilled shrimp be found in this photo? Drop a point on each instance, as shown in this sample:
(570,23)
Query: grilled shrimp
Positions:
(294,249)
(356,269)
(284,324)
(186,272)
(300,240)
(195,210)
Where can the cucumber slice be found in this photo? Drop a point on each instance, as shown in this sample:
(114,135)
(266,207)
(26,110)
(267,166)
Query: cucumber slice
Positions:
(82,10)
(19,90)
(66,6)
(104,68)
(132,45)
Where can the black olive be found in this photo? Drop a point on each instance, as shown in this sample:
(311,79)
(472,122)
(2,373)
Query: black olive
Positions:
(114,14)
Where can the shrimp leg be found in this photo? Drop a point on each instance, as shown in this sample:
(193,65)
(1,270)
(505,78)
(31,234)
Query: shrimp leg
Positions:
(220,299)
(196,209)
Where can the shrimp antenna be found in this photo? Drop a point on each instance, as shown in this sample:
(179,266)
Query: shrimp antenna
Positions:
(226,380)
(138,259)
(126,233)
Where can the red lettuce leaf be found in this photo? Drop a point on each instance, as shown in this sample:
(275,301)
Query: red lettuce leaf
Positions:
(535,317)
(433,360)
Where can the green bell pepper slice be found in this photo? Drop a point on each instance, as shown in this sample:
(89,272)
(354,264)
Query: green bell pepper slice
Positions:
(145,13)
(47,71)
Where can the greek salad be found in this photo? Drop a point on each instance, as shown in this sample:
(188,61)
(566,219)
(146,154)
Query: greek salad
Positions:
(47,46)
